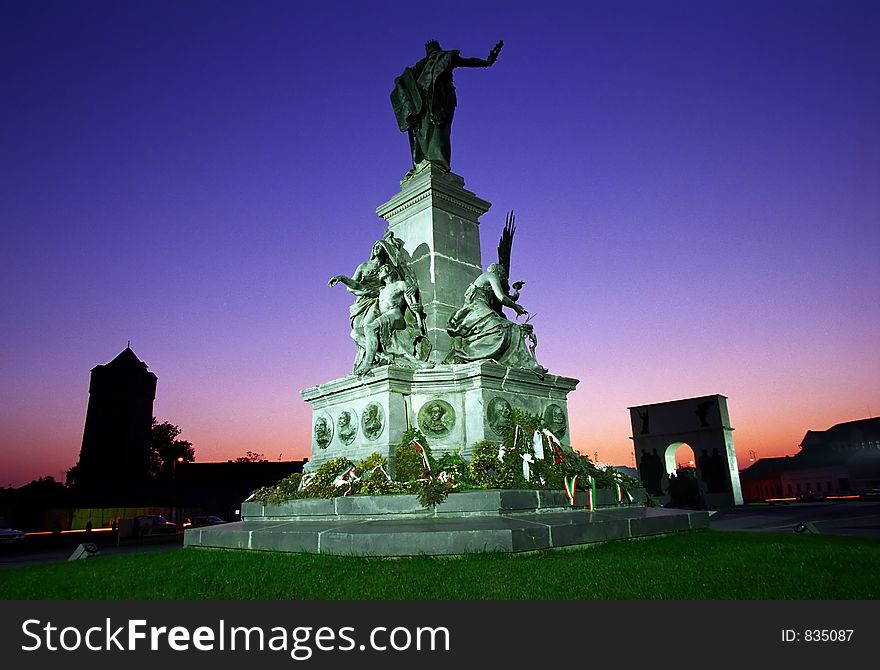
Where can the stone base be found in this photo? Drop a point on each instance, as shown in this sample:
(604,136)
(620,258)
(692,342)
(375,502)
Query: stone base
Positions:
(466,522)
(471,398)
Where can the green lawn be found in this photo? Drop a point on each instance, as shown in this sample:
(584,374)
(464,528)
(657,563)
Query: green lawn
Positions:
(688,566)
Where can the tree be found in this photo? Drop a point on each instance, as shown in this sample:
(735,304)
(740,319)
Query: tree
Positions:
(166,449)
(250,457)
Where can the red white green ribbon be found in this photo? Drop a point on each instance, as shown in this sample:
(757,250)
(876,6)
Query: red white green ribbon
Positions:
(620,491)
(420,450)
(570,484)
(591,494)
(551,438)
(347,477)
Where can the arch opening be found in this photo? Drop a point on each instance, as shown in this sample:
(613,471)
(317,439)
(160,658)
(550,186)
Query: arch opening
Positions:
(684,484)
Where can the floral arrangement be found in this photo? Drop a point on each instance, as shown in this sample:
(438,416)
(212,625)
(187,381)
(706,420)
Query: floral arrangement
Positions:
(528,456)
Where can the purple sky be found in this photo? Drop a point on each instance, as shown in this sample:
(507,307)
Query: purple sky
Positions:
(696,189)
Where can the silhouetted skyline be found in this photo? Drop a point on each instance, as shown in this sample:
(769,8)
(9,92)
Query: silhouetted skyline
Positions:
(695,189)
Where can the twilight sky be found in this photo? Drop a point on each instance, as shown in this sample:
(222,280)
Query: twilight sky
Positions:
(696,189)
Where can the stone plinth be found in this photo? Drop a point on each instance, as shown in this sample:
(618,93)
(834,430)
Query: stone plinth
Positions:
(438,221)
(455,406)
(466,522)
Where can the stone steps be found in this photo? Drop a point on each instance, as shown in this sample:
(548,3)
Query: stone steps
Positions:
(466,522)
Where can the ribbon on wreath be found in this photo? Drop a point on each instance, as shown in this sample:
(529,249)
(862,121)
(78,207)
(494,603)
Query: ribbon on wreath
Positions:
(445,478)
(347,477)
(306,482)
(527,461)
(420,450)
(620,491)
(591,493)
(551,438)
(538,445)
(570,484)
(382,470)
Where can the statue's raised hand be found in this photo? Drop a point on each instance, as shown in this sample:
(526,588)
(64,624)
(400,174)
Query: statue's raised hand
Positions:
(493,55)
(335,279)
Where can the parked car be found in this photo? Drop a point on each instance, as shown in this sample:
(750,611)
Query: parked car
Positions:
(870,494)
(153,524)
(9,535)
(199,521)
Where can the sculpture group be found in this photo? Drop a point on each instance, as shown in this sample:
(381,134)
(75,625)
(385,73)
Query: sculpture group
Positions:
(388,325)
(387,321)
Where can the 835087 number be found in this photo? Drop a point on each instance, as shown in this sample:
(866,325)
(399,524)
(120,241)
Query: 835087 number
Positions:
(826,635)
(817,635)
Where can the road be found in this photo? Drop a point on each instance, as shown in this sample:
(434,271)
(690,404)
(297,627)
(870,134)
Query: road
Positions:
(851,518)
(37,553)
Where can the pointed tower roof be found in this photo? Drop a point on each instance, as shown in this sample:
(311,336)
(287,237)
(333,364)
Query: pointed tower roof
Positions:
(125,360)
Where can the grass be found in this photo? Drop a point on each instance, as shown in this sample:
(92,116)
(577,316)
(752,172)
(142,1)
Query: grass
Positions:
(705,565)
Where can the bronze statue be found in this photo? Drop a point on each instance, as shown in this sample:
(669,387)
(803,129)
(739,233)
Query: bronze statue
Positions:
(424,102)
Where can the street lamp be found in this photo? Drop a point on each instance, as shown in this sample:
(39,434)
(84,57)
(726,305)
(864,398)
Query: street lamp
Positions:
(177,460)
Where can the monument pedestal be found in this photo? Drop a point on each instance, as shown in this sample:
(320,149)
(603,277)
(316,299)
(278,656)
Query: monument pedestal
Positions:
(438,221)
(464,523)
(455,406)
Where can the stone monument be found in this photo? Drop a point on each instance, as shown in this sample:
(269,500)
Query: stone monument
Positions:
(435,350)
(434,347)
(702,423)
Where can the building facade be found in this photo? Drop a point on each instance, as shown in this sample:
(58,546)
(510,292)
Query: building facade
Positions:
(843,460)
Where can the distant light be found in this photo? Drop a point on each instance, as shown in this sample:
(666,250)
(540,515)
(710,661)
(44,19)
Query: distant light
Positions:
(180,459)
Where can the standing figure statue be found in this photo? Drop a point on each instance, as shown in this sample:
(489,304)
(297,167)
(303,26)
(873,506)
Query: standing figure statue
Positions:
(424,103)
(481,331)
(387,320)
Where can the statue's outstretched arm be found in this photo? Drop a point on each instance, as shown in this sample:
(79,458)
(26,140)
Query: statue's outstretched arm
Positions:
(502,297)
(471,62)
(480,62)
(348,281)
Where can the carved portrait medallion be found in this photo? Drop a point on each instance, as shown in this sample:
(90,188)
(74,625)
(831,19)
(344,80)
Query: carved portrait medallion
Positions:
(373,421)
(436,418)
(323,430)
(554,418)
(498,413)
(347,426)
